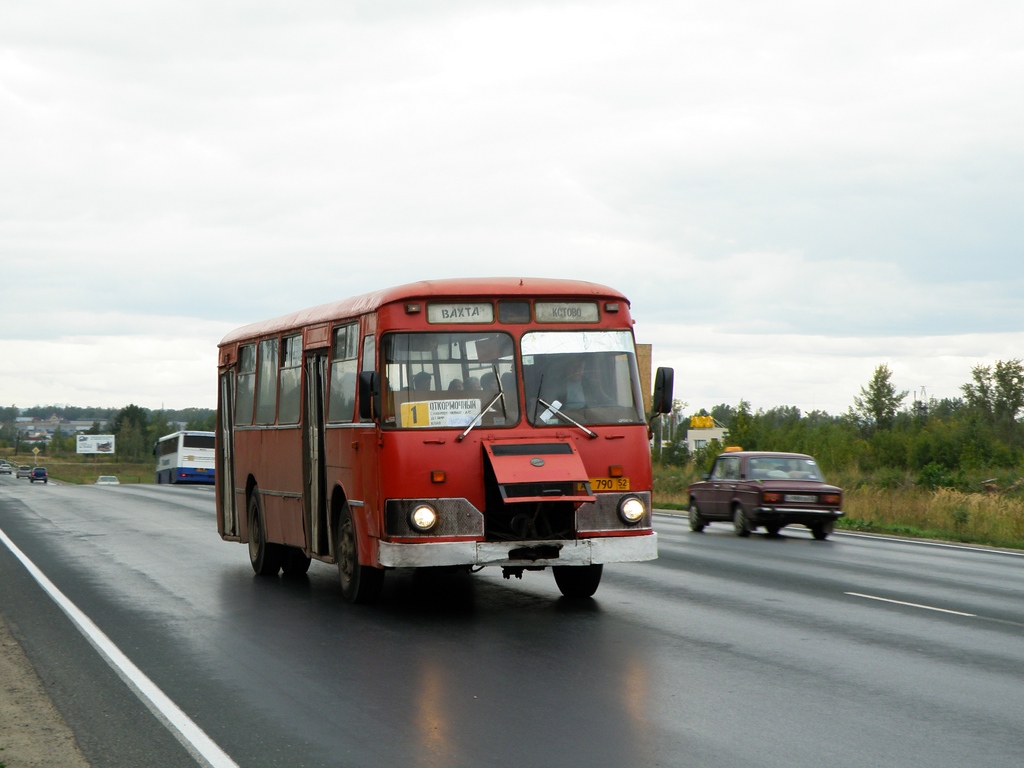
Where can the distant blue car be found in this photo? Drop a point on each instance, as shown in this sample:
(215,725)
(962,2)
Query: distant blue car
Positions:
(39,473)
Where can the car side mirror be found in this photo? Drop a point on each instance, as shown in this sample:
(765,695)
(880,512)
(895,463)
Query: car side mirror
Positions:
(369,395)
(662,400)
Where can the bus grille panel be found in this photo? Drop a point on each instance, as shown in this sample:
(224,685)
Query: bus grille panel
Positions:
(456,517)
(603,514)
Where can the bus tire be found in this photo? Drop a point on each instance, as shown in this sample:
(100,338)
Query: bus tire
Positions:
(577,581)
(359,583)
(265,557)
(295,562)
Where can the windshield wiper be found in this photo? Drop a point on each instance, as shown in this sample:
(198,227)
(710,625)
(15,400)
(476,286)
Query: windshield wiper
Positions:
(476,419)
(554,409)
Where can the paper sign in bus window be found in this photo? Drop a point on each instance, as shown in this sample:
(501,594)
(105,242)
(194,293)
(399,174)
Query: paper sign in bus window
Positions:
(439,413)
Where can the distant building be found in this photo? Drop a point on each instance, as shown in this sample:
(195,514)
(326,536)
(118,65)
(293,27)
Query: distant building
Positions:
(35,430)
(704,429)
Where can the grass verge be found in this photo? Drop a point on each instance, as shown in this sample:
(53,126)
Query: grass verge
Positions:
(83,470)
(991,517)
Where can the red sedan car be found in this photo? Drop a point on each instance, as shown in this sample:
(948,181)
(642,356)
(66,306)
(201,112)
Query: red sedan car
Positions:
(755,489)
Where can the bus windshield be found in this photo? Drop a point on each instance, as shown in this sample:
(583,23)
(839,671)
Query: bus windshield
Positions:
(447,379)
(588,377)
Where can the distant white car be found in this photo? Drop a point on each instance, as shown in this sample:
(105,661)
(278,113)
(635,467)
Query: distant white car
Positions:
(107,480)
(5,469)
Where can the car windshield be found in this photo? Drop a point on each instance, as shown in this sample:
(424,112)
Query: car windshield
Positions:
(587,377)
(447,379)
(784,468)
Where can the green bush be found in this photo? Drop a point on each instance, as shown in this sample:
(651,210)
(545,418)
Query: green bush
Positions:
(933,476)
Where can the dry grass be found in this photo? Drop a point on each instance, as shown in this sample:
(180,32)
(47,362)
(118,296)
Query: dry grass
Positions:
(980,518)
(995,519)
(85,469)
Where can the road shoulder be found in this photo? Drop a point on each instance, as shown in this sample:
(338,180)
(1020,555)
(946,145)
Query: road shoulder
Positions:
(32,732)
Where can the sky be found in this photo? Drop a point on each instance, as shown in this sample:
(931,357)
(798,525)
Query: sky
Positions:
(790,192)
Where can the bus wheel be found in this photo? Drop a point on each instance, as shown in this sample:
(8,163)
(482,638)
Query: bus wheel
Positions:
(577,580)
(265,558)
(359,583)
(295,562)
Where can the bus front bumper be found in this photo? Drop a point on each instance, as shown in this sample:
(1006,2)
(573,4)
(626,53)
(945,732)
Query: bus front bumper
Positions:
(603,549)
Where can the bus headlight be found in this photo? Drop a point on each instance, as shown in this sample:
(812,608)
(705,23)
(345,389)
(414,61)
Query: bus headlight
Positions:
(631,510)
(423,517)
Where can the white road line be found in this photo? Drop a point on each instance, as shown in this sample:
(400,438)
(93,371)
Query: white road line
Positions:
(681,517)
(191,736)
(912,605)
(927,543)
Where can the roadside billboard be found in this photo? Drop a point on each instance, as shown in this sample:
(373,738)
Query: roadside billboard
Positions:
(95,444)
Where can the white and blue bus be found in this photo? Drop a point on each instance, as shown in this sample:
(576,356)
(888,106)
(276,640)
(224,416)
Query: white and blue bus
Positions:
(185,457)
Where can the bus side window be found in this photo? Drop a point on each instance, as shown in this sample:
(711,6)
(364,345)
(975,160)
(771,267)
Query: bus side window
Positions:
(290,379)
(342,399)
(266,382)
(245,384)
(369,358)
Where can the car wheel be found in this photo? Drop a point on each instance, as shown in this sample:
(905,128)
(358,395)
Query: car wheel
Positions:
(740,524)
(822,531)
(359,583)
(265,557)
(577,581)
(773,529)
(697,522)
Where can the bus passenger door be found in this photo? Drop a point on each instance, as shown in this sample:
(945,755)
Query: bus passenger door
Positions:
(225,459)
(313,472)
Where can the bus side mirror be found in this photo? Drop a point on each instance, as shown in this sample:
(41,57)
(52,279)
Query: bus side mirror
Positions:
(369,394)
(662,400)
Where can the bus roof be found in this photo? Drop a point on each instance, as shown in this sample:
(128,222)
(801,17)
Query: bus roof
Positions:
(490,287)
(187,432)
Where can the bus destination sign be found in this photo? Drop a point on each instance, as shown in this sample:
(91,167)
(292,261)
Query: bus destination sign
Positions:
(566,312)
(463,312)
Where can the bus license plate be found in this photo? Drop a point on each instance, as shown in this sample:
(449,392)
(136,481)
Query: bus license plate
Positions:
(609,484)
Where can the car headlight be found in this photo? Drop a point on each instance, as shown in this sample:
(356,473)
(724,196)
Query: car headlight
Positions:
(631,510)
(423,517)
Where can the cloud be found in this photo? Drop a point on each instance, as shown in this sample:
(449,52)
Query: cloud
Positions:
(792,170)
(813,372)
(151,371)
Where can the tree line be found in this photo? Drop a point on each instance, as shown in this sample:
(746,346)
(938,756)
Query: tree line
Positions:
(940,440)
(135,428)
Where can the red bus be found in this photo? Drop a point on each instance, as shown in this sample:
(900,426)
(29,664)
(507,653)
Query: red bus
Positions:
(449,423)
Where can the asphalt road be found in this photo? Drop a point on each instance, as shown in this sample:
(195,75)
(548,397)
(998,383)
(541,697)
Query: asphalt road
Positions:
(858,651)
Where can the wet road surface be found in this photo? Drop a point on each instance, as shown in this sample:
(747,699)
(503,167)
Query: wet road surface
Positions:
(723,652)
